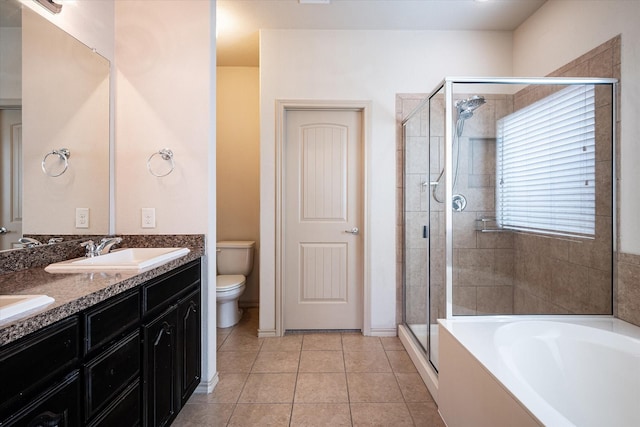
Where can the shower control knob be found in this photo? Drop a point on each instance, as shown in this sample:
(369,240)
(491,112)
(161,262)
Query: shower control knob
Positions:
(355,231)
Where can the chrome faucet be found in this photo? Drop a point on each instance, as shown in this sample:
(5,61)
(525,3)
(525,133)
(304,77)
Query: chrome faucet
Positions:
(93,250)
(28,242)
(105,244)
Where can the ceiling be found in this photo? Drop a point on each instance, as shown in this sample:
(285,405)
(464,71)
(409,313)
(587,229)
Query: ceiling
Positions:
(238,21)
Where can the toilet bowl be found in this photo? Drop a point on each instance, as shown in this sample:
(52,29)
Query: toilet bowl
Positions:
(229,288)
(234,263)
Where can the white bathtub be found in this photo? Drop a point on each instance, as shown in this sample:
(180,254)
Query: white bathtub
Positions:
(552,371)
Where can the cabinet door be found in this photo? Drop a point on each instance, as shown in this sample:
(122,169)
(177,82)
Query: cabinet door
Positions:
(161,398)
(58,406)
(189,344)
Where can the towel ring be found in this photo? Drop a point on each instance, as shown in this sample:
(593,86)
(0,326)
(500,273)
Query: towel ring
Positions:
(63,154)
(166,154)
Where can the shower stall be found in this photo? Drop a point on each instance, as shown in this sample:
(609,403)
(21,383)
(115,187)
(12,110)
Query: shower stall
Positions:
(508,202)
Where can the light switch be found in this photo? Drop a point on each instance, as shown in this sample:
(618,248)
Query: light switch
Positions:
(148,217)
(82,217)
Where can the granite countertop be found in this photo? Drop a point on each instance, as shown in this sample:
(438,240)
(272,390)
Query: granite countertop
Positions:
(72,293)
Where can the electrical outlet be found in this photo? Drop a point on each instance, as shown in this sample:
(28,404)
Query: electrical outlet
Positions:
(148,217)
(82,217)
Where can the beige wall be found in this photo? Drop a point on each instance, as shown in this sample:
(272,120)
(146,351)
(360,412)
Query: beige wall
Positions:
(238,163)
(165,98)
(162,102)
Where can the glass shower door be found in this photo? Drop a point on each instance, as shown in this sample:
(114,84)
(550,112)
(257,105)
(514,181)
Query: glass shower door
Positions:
(416,217)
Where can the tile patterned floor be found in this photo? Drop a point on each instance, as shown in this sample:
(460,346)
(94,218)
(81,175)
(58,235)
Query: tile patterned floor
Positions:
(327,379)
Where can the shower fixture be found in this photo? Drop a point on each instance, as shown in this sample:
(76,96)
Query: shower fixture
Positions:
(465,109)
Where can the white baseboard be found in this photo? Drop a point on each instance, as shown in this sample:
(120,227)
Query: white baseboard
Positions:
(384,332)
(206,387)
(267,333)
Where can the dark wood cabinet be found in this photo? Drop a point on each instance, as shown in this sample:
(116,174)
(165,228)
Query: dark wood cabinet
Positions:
(172,344)
(131,360)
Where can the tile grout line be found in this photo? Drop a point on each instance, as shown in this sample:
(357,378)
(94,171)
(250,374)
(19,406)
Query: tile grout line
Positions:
(295,384)
(346,380)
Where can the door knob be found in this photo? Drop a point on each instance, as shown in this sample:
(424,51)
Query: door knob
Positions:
(355,231)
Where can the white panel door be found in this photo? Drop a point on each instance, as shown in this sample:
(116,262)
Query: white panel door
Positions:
(323,249)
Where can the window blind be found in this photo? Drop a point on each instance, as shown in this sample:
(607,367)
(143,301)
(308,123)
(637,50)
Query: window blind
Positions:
(545,166)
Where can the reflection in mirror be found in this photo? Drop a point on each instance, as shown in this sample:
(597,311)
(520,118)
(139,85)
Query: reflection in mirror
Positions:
(54,94)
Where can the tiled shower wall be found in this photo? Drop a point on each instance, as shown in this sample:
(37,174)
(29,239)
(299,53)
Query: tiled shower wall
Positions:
(491,275)
(483,262)
(628,289)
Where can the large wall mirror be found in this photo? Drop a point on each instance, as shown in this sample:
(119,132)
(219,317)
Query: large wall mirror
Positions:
(54,138)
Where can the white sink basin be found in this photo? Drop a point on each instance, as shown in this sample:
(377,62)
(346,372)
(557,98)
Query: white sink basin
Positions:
(11,305)
(130,259)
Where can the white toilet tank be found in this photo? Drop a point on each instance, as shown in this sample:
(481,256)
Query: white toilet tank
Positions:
(235,257)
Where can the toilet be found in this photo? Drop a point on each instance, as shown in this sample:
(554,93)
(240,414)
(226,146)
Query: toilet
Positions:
(234,262)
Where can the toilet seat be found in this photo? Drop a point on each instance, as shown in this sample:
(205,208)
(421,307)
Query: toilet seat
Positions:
(229,282)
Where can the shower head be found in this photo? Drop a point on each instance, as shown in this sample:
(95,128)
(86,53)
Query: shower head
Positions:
(466,107)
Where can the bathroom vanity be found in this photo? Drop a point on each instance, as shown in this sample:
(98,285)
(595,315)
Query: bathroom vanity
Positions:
(114,349)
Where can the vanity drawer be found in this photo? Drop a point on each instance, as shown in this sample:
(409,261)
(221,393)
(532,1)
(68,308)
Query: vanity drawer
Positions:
(160,292)
(38,359)
(110,372)
(110,319)
(124,411)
